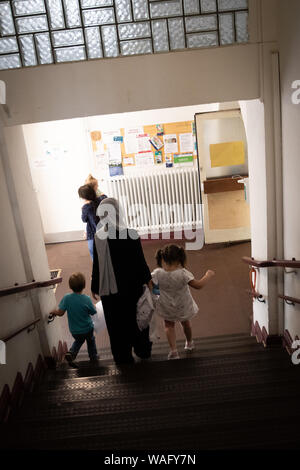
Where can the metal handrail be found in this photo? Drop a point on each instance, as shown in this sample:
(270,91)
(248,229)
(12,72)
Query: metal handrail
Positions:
(17,332)
(289,300)
(29,286)
(294,263)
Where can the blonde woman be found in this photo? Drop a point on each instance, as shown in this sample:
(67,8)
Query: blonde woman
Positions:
(94,183)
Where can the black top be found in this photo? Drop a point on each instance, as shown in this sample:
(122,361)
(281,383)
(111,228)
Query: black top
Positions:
(130,267)
(89,216)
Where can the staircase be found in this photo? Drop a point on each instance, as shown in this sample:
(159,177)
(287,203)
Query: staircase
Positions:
(230,393)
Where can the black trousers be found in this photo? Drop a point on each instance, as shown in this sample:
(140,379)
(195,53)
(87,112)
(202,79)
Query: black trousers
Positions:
(124,334)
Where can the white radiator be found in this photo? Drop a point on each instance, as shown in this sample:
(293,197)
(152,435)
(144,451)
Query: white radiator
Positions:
(167,200)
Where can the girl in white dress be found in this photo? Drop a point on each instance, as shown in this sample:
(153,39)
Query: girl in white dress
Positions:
(175,302)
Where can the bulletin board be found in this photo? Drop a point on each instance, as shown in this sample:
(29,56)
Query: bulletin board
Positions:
(167,144)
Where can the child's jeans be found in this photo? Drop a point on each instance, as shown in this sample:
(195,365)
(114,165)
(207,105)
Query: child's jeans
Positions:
(91,248)
(91,344)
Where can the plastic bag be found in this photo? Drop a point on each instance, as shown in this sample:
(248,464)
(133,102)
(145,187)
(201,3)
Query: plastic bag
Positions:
(99,319)
(144,309)
(154,333)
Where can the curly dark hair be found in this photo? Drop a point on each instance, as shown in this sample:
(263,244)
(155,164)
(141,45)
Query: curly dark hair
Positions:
(171,254)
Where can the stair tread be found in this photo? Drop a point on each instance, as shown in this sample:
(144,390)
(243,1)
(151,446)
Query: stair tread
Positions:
(231,392)
(154,419)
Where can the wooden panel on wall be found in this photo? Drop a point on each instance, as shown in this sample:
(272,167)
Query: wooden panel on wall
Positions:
(222,184)
(228,210)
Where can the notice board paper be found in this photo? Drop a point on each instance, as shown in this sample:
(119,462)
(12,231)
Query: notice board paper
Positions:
(144,158)
(227,154)
(186,142)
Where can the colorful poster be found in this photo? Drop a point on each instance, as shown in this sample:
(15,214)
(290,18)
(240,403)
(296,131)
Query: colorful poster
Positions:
(127,161)
(158,157)
(144,158)
(156,142)
(227,154)
(143,143)
(118,138)
(108,136)
(115,159)
(130,140)
(159,129)
(170,143)
(96,138)
(195,145)
(115,169)
(114,152)
(183,158)
(186,142)
(169,160)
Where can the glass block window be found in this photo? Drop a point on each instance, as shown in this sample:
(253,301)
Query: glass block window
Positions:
(38,32)
(160,36)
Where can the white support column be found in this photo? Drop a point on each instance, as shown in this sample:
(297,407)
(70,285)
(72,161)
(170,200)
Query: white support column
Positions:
(27,220)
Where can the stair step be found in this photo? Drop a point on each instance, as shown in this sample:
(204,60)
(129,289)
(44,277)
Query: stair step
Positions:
(259,434)
(229,393)
(169,396)
(85,369)
(162,346)
(151,420)
(247,361)
(191,377)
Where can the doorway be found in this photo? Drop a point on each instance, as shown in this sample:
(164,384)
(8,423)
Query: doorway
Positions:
(224,305)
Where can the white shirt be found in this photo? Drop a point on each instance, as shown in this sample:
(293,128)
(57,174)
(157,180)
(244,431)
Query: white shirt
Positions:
(175,302)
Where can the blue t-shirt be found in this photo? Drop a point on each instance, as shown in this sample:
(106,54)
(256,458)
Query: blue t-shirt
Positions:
(79,309)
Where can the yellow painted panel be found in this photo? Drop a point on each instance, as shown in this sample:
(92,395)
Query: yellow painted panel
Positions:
(227,154)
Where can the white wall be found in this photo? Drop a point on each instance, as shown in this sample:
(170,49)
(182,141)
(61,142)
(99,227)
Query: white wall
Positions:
(106,86)
(253,117)
(16,310)
(23,258)
(289,35)
(56,184)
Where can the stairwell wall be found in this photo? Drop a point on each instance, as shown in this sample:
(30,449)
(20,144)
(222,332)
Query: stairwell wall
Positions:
(23,258)
(289,47)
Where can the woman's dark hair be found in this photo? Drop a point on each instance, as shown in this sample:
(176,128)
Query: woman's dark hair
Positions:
(171,254)
(88,193)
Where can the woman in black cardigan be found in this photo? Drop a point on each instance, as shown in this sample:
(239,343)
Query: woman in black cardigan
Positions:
(119,273)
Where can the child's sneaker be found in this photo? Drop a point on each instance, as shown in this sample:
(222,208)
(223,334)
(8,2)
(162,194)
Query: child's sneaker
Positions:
(189,346)
(69,357)
(173,355)
(94,360)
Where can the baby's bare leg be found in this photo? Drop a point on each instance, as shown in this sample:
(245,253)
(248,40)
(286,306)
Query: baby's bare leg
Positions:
(186,325)
(170,332)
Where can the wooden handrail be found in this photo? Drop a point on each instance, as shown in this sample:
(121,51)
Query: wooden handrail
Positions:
(287,263)
(294,263)
(17,332)
(293,300)
(29,286)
